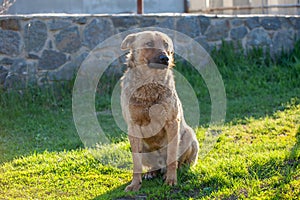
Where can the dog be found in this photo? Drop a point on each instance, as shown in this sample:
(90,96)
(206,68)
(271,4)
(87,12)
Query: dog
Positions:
(160,139)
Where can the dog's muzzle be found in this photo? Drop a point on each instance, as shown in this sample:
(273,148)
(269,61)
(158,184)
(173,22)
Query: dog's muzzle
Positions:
(164,60)
(161,62)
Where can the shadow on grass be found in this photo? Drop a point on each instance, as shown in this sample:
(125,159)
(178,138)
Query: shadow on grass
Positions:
(35,129)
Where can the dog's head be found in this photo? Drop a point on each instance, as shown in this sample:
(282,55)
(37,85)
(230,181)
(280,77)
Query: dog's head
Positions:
(153,48)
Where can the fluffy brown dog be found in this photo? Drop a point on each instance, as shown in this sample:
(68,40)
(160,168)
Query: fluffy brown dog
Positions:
(159,137)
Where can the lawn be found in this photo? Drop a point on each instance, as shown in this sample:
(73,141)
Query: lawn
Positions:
(257,155)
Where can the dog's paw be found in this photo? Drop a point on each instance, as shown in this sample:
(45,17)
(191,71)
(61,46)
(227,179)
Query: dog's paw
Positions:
(171,181)
(133,187)
(157,110)
(157,115)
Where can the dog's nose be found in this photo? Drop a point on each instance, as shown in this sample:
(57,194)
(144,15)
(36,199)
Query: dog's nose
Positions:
(163,59)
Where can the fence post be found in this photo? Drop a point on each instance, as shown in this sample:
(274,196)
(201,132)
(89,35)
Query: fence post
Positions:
(186,6)
(140,7)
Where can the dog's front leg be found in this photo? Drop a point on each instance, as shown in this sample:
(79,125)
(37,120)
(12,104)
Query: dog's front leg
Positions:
(172,129)
(136,148)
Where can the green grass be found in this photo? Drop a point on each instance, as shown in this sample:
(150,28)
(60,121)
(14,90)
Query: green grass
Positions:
(35,121)
(257,156)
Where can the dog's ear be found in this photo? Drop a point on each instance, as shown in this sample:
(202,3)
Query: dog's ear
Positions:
(127,42)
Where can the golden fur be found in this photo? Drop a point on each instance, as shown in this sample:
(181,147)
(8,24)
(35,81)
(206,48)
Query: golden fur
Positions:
(159,137)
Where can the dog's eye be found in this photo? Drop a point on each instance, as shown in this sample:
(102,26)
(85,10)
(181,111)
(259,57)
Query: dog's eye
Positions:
(150,44)
(166,45)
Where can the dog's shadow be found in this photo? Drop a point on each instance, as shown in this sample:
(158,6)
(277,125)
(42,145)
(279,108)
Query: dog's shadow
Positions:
(150,190)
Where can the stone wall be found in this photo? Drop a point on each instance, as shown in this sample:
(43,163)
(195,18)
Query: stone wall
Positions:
(38,49)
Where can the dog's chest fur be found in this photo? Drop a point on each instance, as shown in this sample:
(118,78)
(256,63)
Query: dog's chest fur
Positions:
(145,97)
